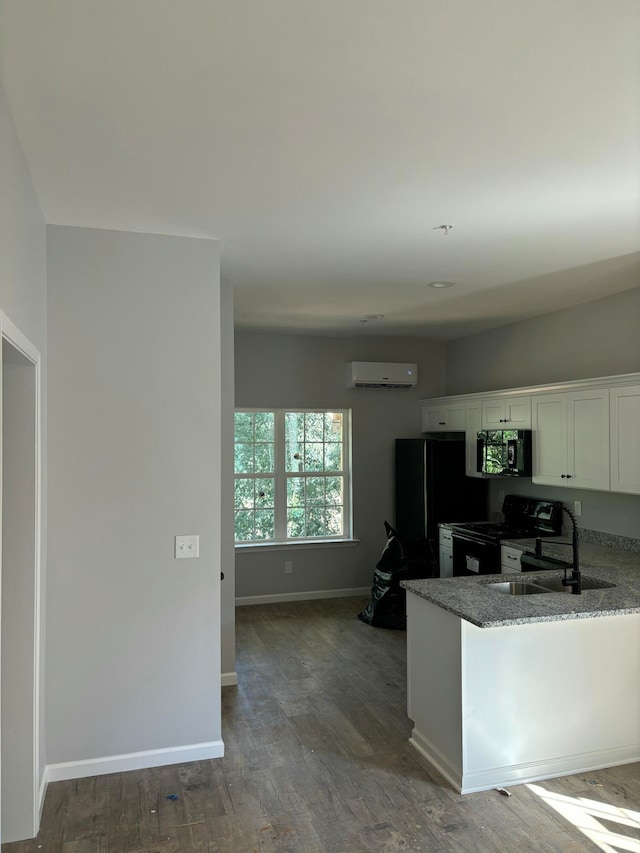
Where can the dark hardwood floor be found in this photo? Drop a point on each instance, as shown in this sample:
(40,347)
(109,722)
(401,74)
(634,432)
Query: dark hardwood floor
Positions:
(317,759)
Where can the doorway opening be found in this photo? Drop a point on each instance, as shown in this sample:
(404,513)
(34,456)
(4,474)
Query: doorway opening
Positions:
(20,587)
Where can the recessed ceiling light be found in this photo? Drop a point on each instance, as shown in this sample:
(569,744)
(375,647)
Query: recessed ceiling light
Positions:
(439,284)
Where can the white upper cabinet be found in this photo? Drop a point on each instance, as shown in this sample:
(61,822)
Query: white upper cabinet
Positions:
(549,420)
(506,413)
(571,439)
(444,418)
(473,427)
(625,439)
(586,433)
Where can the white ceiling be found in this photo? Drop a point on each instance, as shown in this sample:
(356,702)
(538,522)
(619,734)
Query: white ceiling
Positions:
(321,141)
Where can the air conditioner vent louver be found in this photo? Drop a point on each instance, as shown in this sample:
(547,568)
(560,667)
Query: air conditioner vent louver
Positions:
(381,375)
(392,385)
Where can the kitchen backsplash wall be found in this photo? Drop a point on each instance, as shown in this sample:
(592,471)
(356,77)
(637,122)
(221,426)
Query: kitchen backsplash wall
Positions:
(603,511)
(610,540)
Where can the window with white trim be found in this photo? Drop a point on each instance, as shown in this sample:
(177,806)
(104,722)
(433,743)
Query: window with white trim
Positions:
(292,475)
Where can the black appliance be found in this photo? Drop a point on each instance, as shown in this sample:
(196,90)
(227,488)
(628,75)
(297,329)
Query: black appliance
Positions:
(505,452)
(476,546)
(432,487)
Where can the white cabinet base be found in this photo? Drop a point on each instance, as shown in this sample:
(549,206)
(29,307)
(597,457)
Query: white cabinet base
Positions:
(502,777)
(501,706)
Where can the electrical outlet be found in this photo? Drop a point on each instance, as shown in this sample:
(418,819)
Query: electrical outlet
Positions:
(577,508)
(288,567)
(187,546)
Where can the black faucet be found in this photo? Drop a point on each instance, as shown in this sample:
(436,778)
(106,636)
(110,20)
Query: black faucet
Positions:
(575,581)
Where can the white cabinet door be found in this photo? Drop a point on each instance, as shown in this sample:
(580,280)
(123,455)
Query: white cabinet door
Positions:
(506,413)
(549,421)
(625,439)
(446,562)
(518,413)
(510,560)
(445,552)
(571,439)
(445,418)
(588,439)
(493,413)
(472,427)
(445,537)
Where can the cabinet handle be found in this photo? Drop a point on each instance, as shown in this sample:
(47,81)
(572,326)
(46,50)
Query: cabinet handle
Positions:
(563,476)
(569,476)
(511,557)
(442,423)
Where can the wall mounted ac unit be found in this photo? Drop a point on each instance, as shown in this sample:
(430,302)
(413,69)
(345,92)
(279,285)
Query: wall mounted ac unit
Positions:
(381,374)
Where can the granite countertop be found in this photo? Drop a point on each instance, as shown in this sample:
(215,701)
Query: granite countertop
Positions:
(470,599)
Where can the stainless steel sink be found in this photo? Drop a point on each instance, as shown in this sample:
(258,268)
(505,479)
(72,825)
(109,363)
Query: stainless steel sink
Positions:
(542,585)
(555,584)
(517,588)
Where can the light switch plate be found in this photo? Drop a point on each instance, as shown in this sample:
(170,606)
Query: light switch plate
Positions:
(187,546)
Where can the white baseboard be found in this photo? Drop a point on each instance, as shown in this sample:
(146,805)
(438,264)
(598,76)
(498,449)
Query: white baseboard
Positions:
(535,771)
(42,790)
(279,598)
(133,761)
(436,759)
(517,774)
(228,679)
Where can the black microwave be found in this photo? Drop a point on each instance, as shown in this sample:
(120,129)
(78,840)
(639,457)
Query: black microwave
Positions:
(505,452)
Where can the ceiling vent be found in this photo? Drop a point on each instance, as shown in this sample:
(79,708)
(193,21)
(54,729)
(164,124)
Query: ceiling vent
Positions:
(381,374)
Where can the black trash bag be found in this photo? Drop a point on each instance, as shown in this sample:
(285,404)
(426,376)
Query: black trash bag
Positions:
(403,558)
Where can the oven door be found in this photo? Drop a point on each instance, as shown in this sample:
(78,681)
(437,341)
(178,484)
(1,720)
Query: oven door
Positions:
(472,556)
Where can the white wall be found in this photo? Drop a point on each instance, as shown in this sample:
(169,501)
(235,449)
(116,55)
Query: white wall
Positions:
(307,371)
(598,338)
(594,339)
(134,431)
(23,282)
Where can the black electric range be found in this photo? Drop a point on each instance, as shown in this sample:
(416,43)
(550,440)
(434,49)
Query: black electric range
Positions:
(476,544)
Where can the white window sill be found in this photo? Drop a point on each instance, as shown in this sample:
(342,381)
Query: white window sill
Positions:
(307,543)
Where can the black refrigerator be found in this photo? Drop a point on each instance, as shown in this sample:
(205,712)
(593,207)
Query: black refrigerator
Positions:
(432,487)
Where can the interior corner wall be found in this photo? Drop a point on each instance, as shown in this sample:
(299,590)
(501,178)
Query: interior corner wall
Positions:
(278,371)
(227,555)
(594,339)
(597,338)
(23,299)
(133,670)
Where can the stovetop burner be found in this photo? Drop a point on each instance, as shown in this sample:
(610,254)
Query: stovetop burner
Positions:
(524,518)
(476,544)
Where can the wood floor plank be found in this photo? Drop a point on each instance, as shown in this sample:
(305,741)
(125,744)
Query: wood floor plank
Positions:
(317,759)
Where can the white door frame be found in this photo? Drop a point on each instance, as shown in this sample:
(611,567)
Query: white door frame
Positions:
(10,333)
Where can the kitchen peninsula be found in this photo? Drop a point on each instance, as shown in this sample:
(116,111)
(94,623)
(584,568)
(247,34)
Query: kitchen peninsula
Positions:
(507,689)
